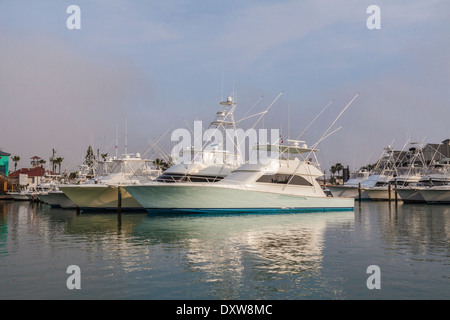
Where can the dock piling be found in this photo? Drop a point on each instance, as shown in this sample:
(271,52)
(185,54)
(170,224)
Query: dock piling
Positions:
(389,192)
(359,191)
(119,204)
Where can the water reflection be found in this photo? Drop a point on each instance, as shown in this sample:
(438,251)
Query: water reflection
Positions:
(253,256)
(231,250)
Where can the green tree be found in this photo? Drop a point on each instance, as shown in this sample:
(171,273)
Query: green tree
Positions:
(339,167)
(15,159)
(89,160)
(90,157)
(333,170)
(58,161)
(162,164)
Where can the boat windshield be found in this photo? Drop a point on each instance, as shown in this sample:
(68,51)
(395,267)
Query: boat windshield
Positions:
(177,177)
(128,167)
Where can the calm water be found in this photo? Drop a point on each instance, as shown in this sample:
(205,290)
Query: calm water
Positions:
(293,256)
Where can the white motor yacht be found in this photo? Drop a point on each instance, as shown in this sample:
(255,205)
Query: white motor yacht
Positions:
(434,187)
(284,184)
(101,192)
(436,195)
(57,199)
(351,187)
(209,164)
(405,171)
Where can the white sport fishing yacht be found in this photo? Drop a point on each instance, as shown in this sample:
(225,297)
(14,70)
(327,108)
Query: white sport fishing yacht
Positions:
(286,183)
(351,187)
(55,198)
(101,192)
(434,187)
(409,169)
(211,163)
(436,195)
(380,176)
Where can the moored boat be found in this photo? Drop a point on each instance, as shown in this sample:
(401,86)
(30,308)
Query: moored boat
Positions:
(285,184)
(351,188)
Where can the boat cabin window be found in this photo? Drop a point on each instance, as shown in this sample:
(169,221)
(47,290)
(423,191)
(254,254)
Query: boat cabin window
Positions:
(177,177)
(284,179)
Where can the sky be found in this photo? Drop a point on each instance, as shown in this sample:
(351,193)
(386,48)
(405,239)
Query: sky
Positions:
(138,70)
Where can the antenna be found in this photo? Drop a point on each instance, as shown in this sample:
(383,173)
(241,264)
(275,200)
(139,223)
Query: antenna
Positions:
(126,136)
(340,114)
(324,135)
(117,137)
(289,123)
(329,103)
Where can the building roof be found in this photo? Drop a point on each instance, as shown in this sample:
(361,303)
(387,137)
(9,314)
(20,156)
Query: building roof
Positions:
(32,172)
(2,153)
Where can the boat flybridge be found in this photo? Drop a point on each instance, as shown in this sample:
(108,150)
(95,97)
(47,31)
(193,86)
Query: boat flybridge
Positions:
(210,163)
(282,180)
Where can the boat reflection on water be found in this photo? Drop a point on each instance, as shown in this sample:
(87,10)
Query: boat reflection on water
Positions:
(229,248)
(225,256)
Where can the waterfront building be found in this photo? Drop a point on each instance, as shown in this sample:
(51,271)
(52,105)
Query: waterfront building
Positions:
(4,162)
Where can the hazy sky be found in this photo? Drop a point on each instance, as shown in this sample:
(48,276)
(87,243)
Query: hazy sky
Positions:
(157,65)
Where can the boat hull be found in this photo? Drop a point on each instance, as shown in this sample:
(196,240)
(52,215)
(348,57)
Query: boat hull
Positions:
(436,196)
(210,199)
(93,198)
(58,200)
(347,192)
(19,197)
(410,195)
(380,194)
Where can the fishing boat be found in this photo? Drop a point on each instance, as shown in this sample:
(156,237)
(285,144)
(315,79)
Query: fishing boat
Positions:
(434,185)
(20,195)
(286,183)
(436,194)
(407,169)
(211,162)
(351,188)
(380,176)
(57,199)
(436,174)
(101,192)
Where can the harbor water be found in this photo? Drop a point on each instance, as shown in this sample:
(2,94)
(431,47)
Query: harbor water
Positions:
(300,256)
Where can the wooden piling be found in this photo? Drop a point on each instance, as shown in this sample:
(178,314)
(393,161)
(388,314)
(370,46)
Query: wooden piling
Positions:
(389,192)
(359,191)
(119,204)
(396,197)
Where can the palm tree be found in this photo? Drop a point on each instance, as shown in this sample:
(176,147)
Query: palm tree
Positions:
(58,161)
(332,178)
(333,170)
(339,167)
(15,159)
(104,156)
(161,164)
